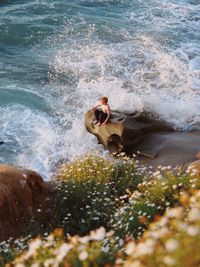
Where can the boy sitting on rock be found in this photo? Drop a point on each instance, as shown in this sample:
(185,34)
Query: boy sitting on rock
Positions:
(102,112)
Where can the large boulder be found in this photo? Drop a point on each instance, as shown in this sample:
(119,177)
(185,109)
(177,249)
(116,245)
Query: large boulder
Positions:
(124,132)
(155,140)
(22,193)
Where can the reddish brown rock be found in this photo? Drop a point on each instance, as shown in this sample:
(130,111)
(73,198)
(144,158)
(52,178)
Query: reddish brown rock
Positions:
(22,193)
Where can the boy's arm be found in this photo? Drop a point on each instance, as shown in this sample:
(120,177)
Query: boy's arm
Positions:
(108,116)
(95,107)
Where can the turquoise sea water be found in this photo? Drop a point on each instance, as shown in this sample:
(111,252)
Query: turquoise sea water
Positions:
(58,57)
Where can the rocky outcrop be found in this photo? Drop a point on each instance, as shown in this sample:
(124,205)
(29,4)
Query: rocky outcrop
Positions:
(22,193)
(124,132)
(172,149)
(155,140)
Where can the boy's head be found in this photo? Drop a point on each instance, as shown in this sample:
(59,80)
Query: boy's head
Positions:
(104,100)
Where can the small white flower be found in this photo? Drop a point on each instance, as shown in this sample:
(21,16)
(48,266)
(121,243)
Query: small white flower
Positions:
(99,234)
(182,226)
(193,230)
(145,248)
(49,263)
(130,248)
(34,245)
(194,215)
(169,260)
(50,238)
(174,213)
(20,265)
(119,261)
(136,264)
(156,173)
(83,255)
(84,239)
(159,233)
(62,251)
(171,245)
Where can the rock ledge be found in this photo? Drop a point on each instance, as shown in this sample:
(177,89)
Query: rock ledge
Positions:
(124,132)
(157,141)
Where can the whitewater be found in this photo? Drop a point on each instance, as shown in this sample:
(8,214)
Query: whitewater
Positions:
(57,57)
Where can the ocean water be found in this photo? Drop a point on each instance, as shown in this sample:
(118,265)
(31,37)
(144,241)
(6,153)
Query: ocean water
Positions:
(57,57)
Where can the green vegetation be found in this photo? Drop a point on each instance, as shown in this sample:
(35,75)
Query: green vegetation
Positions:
(174,240)
(86,192)
(121,199)
(159,190)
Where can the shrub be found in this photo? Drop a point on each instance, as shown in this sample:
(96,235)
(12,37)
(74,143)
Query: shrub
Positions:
(86,190)
(95,249)
(121,172)
(84,194)
(158,191)
(174,240)
(10,248)
(118,194)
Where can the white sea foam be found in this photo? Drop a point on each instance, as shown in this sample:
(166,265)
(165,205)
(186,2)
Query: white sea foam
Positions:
(30,137)
(135,75)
